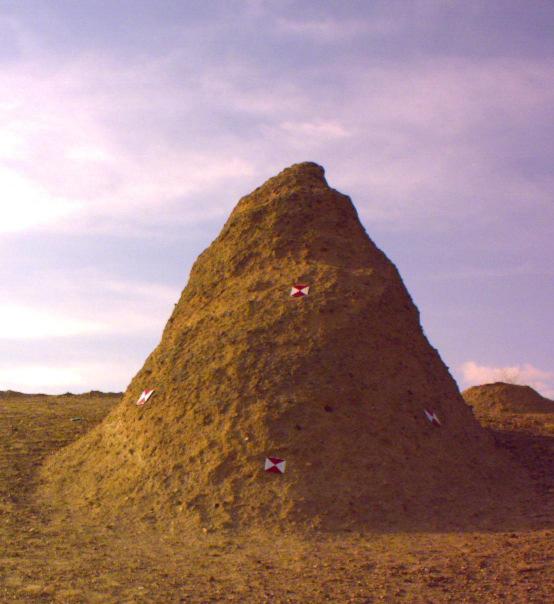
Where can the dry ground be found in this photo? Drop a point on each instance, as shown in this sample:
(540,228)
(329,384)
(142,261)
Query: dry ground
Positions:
(43,560)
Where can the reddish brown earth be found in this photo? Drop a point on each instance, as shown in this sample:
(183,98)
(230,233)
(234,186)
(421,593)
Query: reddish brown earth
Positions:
(500,398)
(523,422)
(45,560)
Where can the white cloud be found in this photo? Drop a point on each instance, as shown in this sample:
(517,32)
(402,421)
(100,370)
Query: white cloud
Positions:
(93,142)
(57,379)
(24,204)
(321,130)
(337,30)
(526,374)
(141,290)
(485,272)
(113,144)
(85,302)
(67,162)
(38,378)
(426,132)
(27,323)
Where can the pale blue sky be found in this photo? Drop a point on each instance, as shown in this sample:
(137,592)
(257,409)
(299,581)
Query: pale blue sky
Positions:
(129,130)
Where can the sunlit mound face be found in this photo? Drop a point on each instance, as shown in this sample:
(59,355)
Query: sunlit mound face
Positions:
(293,385)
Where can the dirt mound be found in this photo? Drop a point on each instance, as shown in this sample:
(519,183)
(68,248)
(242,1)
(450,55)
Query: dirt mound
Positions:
(500,397)
(93,394)
(4,394)
(336,383)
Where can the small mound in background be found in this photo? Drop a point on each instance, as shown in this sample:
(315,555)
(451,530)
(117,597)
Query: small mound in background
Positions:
(499,397)
(93,394)
(12,394)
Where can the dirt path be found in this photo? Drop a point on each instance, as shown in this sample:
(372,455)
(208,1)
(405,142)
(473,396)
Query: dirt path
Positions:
(46,561)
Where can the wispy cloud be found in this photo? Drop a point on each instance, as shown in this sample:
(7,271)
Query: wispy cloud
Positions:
(55,379)
(25,323)
(123,140)
(329,30)
(492,272)
(26,204)
(318,129)
(85,302)
(432,129)
(119,138)
(65,162)
(525,374)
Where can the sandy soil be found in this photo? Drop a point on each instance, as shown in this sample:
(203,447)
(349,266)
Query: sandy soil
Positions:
(45,560)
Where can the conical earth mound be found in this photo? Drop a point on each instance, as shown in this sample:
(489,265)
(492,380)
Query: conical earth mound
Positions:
(499,397)
(337,383)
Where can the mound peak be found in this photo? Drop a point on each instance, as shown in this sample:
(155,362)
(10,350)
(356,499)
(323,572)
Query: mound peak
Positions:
(341,384)
(500,397)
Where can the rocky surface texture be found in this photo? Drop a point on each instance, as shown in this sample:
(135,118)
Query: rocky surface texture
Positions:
(500,397)
(336,383)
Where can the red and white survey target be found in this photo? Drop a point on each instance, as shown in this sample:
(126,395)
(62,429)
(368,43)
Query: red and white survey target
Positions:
(146,394)
(275,465)
(432,417)
(299,290)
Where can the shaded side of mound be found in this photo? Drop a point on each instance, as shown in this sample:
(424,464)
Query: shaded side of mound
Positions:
(336,383)
(500,397)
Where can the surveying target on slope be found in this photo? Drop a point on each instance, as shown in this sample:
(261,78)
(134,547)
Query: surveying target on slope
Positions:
(299,290)
(146,394)
(275,465)
(432,417)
